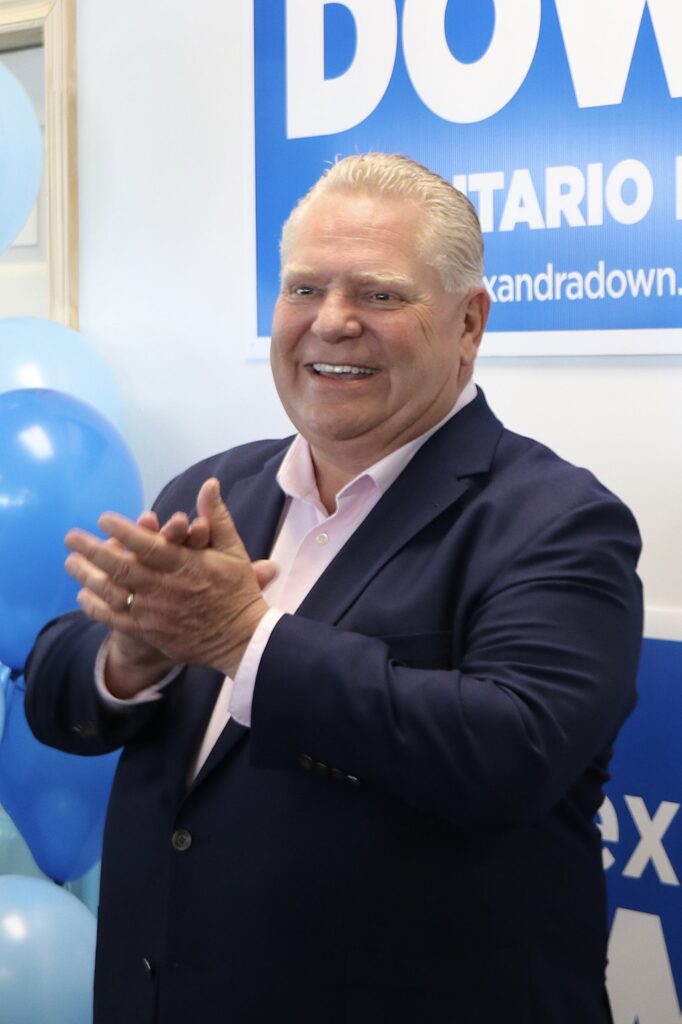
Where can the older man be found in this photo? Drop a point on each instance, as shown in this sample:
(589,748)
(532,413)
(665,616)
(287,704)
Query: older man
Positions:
(361,789)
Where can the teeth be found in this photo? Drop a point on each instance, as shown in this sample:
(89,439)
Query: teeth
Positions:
(335,368)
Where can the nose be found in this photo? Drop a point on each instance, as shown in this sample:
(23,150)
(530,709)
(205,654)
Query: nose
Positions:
(336,319)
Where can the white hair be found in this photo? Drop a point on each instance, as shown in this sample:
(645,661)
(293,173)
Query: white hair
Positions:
(450,241)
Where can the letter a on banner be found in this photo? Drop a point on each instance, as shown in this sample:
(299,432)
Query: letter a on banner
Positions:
(640,981)
(322,106)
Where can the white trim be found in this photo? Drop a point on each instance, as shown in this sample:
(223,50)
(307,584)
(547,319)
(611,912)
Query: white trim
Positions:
(55,22)
(510,344)
(663,623)
(635,342)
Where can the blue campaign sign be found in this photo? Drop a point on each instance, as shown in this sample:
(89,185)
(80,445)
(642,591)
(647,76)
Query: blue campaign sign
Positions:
(642,831)
(561,119)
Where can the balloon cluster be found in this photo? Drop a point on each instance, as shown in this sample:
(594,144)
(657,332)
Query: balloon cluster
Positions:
(62,462)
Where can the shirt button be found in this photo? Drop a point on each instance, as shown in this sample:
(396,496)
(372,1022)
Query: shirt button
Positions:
(322,538)
(181,840)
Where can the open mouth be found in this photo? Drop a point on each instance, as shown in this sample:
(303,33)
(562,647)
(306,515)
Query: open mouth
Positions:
(342,371)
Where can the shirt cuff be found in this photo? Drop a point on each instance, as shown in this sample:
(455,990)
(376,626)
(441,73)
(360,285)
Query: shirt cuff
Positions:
(145,696)
(241,697)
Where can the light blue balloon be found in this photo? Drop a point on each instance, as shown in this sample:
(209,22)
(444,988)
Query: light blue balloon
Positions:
(61,465)
(21,157)
(47,954)
(15,856)
(38,353)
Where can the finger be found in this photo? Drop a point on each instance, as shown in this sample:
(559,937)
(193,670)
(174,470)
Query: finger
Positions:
(97,581)
(98,610)
(175,530)
(115,561)
(149,520)
(265,570)
(111,543)
(152,549)
(209,492)
(224,534)
(199,534)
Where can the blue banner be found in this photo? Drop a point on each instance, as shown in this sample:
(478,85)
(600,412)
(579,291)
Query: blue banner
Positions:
(561,120)
(642,830)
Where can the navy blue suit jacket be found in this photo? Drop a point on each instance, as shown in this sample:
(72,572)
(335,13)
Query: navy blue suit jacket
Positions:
(406,832)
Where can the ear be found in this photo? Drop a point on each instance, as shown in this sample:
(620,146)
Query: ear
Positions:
(476,310)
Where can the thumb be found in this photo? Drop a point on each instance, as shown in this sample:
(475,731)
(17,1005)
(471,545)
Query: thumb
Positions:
(265,571)
(212,507)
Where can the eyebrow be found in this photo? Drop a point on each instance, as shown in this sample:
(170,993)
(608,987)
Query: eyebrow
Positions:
(296,270)
(386,281)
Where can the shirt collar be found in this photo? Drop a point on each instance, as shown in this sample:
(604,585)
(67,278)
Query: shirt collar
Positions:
(296,475)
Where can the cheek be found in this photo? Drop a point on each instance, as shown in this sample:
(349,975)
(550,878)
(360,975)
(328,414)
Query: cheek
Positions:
(288,327)
(282,342)
(279,363)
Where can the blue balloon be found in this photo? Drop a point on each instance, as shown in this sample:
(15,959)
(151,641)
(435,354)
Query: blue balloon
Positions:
(47,954)
(37,353)
(61,465)
(21,157)
(57,801)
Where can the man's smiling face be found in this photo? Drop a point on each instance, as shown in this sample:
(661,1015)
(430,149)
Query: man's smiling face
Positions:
(368,349)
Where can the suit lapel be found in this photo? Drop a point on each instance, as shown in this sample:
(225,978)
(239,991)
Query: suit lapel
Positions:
(228,739)
(255,504)
(191,701)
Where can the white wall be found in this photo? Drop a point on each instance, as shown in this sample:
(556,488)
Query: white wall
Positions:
(167,280)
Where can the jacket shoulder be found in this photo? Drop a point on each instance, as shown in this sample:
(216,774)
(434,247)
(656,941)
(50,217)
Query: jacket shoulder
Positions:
(229,466)
(520,461)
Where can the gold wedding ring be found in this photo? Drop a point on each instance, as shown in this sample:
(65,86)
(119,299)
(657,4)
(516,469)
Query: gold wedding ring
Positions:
(130,601)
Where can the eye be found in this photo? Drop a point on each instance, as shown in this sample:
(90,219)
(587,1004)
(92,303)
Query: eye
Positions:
(388,299)
(298,292)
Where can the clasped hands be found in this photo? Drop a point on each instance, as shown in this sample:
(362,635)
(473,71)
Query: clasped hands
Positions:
(197,595)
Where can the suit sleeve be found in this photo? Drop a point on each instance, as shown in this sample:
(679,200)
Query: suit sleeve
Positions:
(63,706)
(528,703)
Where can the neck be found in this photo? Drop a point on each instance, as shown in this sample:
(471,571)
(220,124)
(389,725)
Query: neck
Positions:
(331,478)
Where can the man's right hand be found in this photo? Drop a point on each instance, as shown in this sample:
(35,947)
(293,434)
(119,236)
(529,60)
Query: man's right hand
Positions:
(132,664)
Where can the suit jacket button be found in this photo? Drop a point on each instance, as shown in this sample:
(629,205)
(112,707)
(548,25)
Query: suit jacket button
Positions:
(181,840)
(306,762)
(321,768)
(85,729)
(147,967)
(337,775)
(353,779)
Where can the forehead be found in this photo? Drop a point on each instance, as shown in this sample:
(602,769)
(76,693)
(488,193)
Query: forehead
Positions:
(362,227)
